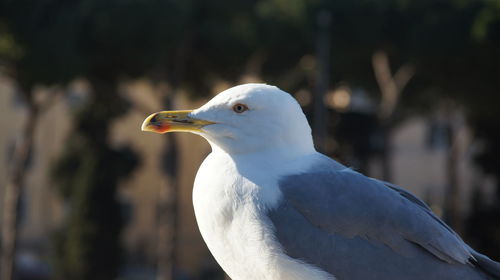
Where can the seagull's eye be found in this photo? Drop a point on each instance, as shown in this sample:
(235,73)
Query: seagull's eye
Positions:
(240,108)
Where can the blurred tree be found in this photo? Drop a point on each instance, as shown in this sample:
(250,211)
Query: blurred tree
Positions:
(88,246)
(10,50)
(15,63)
(60,41)
(117,40)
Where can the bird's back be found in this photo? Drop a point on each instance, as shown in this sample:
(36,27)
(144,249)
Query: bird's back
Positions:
(356,227)
(357,257)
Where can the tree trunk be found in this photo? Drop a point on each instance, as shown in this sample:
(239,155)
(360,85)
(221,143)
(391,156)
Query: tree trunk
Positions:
(168,214)
(168,195)
(13,191)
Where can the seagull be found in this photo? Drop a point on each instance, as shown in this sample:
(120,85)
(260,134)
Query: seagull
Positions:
(269,206)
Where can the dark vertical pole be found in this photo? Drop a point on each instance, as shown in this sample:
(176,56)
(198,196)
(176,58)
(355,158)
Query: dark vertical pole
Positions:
(169,192)
(323,21)
(386,150)
(168,207)
(452,197)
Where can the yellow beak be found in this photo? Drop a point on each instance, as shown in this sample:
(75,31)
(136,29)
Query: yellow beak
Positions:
(170,121)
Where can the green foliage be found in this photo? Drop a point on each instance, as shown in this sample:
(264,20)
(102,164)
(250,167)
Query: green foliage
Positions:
(46,38)
(487,20)
(9,48)
(64,39)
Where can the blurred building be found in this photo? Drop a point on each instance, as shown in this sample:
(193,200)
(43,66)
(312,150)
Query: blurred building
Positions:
(418,161)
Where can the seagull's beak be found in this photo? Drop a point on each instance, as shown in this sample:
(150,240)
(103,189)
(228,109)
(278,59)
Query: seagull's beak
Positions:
(170,121)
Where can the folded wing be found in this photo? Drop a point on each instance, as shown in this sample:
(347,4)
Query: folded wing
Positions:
(361,228)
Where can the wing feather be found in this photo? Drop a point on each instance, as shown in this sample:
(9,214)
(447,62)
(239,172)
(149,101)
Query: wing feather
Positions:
(348,203)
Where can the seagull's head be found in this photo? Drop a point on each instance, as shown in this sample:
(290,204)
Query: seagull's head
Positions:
(244,119)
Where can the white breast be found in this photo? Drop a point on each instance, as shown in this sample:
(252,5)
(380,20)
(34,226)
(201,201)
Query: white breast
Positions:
(230,211)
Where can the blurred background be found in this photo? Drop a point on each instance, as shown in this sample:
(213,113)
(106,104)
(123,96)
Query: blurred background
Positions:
(405,91)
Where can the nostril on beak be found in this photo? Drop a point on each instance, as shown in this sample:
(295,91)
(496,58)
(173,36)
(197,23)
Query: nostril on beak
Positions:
(153,119)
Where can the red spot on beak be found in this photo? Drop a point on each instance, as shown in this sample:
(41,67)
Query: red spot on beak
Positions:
(161,128)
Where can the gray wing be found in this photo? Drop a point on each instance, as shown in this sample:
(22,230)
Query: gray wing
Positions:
(356,227)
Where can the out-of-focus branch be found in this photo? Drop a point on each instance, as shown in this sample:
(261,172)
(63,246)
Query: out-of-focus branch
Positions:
(386,83)
(404,74)
(390,86)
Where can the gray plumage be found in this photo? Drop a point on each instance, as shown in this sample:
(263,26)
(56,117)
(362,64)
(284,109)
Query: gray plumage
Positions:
(356,227)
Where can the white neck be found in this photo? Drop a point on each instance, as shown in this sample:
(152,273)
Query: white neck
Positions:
(273,154)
